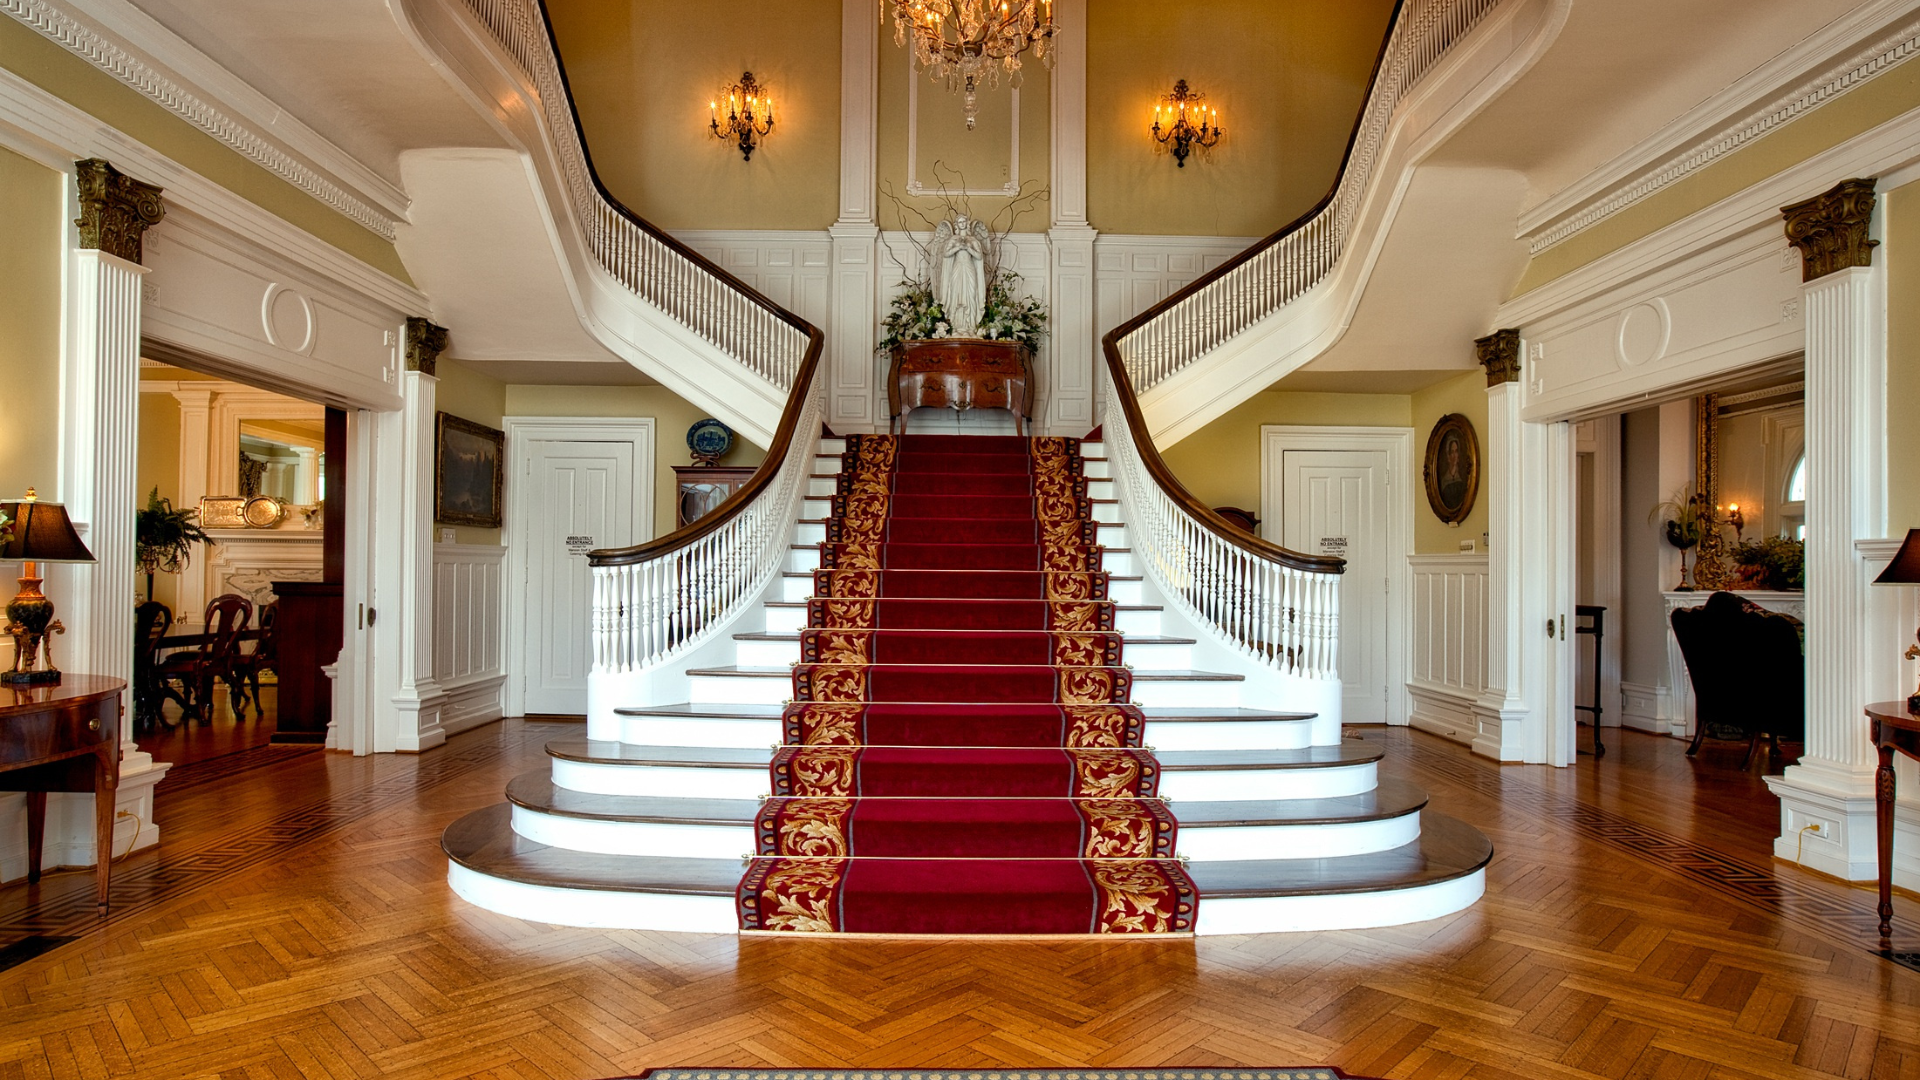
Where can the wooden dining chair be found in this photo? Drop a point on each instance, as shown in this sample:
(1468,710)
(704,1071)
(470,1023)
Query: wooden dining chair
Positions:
(243,676)
(201,658)
(151,621)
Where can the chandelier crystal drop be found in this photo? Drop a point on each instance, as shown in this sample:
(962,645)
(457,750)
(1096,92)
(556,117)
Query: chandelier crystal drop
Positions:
(968,43)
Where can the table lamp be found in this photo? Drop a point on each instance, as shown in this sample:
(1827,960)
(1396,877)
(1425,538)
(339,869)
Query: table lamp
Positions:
(1905,570)
(40,533)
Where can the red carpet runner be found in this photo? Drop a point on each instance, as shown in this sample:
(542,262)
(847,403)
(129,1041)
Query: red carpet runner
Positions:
(960,756)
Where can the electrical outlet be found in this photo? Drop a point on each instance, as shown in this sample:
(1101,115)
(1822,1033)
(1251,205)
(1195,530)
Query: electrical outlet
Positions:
(1819,829)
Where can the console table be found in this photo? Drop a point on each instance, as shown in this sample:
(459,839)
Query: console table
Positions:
(1894,728)
(63,737)
(961,374)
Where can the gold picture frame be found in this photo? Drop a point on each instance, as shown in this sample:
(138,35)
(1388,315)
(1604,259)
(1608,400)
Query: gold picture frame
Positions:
(1452,468)
(468,472)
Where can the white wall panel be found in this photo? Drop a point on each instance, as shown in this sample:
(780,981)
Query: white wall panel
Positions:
(469,641)
(1449,668)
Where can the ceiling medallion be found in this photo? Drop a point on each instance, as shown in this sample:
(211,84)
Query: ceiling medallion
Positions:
(967,43)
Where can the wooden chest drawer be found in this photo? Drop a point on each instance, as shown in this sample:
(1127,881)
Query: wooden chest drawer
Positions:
(57,732)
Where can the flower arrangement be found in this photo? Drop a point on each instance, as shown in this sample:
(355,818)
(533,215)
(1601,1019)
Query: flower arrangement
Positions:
(163,538)
(915,315)
(1773,562)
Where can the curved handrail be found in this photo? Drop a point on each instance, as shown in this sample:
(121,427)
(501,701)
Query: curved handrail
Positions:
(1265,277)
(1156,467)
(507,22)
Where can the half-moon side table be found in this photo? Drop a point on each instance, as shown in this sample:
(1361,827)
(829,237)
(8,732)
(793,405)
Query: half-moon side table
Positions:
(961,374)
(1894,728)
(63,737)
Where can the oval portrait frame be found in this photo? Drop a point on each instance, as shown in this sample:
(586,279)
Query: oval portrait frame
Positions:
(1460,428)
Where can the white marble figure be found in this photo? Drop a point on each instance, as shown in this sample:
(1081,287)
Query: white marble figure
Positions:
(959,254)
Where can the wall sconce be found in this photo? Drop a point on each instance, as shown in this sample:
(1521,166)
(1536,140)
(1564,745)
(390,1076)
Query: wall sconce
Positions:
(1739,522)
(749,114)
(1171,123)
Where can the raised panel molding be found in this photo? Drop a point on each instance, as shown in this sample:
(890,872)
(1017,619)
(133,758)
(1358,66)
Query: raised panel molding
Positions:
(469,633)
(1133,273)
(1448,672)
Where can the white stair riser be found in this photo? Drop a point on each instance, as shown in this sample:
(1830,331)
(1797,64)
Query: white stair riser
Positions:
(803,560)
(662,781)
(832,448)
(787,620)
(821,487)
(743,734)
(810,533)
(800,588)
(1240,785)
(739,689)
(1202,844)
(699,731)
(762,653)
(659,839)
(1339,911)
(1206,693)
(1098,468)
(595,907)
(1229,735)
(1320,841)
(1106,512)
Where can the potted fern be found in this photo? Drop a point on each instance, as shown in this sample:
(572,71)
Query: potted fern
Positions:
(163,538)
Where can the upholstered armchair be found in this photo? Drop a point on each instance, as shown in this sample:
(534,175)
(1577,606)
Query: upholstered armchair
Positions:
(1748,669)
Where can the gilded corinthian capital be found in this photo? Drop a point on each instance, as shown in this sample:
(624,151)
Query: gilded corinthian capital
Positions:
(1499,353)
(115,209)
(1831,229)
(425,342)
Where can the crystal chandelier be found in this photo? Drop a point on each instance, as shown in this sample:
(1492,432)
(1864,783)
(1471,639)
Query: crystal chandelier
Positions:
(967,43)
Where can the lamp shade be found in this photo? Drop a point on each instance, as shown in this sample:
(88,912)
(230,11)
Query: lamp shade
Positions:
(1905,567)
(42,533)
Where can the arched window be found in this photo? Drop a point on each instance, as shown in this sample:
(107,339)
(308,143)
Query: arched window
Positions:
(1793,506)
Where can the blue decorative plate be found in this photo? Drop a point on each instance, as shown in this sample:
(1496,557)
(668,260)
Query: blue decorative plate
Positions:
(709,440)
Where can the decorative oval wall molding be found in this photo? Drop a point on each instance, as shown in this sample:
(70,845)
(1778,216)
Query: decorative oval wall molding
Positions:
(1645,332)
(287,318)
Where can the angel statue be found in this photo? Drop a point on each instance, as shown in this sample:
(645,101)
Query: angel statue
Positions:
(959,253)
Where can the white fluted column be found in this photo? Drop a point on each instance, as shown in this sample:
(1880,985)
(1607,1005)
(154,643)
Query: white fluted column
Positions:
(1501,710)
(418,699)
(852,394)
(1826,799)
(1071,353)
(196,411)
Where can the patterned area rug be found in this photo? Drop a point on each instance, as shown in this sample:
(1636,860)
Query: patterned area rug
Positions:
(961,756)
(1291,1073)
(1320,1072)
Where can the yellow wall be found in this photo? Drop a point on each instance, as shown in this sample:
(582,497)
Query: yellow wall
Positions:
(75,81)
(32,235)
(469,395)
(157,465)
(672,416)
(1465,394)
(1288,77)
(643,73)
(979,156)
(1900,246)
(1220,463)
(1859,110)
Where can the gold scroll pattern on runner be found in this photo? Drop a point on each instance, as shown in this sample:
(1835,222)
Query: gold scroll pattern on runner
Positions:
(865,584)
(1094,685)
(782,894)
(830,772)
(821,682)
(1142,898)
(814,828)
(850,683)
(804,828)
(1086,727)
(843,614)
(832,645)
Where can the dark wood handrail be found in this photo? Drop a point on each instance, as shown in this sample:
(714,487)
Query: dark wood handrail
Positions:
(1170,484)
(783,435)
(1130,402)
(1291,227)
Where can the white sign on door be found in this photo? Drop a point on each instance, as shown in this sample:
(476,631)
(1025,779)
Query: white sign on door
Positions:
(579,545)
(1334,545)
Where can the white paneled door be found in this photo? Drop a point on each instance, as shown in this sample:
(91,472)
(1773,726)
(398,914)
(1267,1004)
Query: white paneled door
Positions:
(1334,502)
(579,497)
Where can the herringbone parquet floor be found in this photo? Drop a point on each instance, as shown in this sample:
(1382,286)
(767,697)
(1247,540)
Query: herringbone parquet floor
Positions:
(297,924)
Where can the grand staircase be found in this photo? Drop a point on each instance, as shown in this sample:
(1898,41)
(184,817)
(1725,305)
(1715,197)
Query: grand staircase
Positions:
(929,729)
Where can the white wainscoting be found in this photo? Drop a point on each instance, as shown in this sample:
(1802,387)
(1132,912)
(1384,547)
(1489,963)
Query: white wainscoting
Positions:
(790,267)
(469,633)
(1449,668)
(1133,273)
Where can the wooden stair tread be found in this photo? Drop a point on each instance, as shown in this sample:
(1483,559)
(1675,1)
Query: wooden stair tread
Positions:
(1173,713)
(1177,674)
(602,752)
(536,791)
(484,842)
(1446,850)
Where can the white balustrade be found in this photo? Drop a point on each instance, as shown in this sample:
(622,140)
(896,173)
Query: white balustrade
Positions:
(1279,271)
(1279,615)
(698,295)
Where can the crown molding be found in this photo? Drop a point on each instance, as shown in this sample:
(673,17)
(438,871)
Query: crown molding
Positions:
(140,53)
(1845,54)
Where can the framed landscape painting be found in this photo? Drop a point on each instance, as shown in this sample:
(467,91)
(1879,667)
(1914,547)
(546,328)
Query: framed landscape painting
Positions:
(467,472)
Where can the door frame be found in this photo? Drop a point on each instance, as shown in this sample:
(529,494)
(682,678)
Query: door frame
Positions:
(1397,443)
(522,430)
